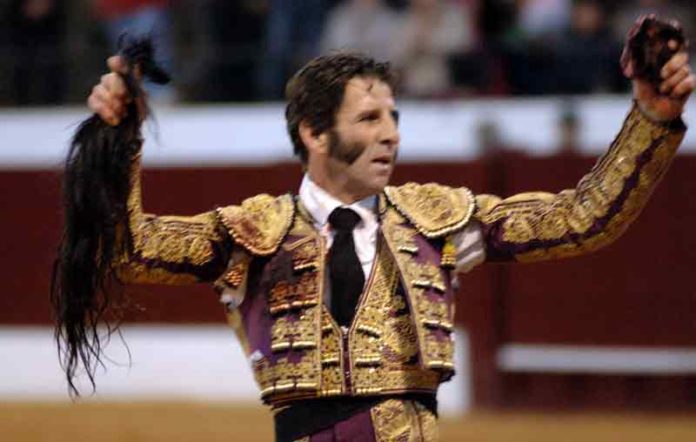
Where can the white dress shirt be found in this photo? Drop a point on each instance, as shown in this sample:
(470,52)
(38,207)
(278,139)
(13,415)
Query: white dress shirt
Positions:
(319,203)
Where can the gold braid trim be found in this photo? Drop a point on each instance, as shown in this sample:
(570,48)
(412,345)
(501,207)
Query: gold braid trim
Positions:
(168,249)
(434,210)
(538,226)
(402,420)
(260,223)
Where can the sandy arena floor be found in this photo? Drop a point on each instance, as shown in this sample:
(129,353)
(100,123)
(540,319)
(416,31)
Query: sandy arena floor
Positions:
(167,421)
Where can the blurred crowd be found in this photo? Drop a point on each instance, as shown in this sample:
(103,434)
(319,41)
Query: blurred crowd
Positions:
(52,51)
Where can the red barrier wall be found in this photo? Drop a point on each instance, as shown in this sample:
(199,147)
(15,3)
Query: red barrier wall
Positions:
(637,292)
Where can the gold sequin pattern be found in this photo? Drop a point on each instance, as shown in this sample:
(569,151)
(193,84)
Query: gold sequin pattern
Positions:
(435,210)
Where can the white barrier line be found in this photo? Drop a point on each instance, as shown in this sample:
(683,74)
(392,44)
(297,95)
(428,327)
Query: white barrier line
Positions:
(218,135)
(189,362)
(527,358)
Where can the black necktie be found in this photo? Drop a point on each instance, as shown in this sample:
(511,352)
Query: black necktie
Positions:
(345,271)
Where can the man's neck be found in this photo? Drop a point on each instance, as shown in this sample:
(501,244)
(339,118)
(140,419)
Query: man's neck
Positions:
(343,193)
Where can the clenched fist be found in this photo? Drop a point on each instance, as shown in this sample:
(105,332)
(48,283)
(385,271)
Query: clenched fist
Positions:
(110,98)
(656,61)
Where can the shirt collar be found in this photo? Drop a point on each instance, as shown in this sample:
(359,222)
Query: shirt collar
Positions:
(319,203)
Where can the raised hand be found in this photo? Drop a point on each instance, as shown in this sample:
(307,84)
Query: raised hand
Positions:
(110,98)
(656,61)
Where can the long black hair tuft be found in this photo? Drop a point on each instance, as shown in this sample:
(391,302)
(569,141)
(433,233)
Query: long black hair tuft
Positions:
(85,290)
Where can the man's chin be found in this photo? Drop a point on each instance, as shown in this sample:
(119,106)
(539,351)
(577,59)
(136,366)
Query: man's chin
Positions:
(380,183)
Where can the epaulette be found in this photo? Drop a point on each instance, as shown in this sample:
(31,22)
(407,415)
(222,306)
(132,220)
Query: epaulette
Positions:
(433,209)
(260,223)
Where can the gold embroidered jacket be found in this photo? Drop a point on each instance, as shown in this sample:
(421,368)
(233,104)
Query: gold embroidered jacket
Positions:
(401,338)
(268,262)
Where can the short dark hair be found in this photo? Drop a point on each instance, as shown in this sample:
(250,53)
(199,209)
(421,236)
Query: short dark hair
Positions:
(316,91)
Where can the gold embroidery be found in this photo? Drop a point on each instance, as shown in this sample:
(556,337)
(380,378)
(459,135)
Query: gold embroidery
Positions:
(365,344)
(260,223)
(134,272)
(430,431)
(285,376)
(301,293)
(403,421)
(403,239)
(566,218)
(161,243)
(294,332)
(439,352)
(400,340)
(434,323)
(431,313)
(305,254)
(237,272)
(383,342)
(433,209)
(370,330)
(177,239)
(449,254)
(428,308)
(332,362)
(296,329)
(425,276)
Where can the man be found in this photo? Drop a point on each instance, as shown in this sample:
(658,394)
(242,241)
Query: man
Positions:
(342,296)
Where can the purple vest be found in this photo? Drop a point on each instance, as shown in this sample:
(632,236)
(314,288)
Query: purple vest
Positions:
(401,338)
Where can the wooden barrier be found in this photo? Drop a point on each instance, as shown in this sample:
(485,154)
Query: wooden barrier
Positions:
(638,292)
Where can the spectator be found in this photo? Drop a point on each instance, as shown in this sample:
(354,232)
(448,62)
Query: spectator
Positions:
(586,53)
(629,11)
(362,25)
(235,34)
(539,18)
(293,31)
(36,33)
(431,31)
(497,20)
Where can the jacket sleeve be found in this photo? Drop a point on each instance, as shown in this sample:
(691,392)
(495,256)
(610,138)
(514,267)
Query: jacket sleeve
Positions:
(539,226)
(171,249)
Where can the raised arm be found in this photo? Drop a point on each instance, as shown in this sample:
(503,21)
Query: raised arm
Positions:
(538,226)
(171,249)
(107,238)
(160,249)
